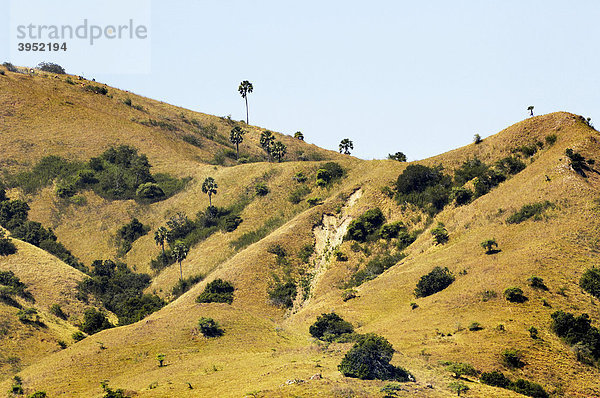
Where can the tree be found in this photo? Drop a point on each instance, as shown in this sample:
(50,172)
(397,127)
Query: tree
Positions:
(458,387)
(530,109)
(440,234)
(299,135)
(6,246)
(245,88)
(435,281)
(94,321)
(209,186)
(477,139)
(266,142)
(180,251)
(51,67)
(161,359)
(345,146)
(370,359)
(217,291)
(279,150)
(236,137)
(160,236)
(330,326)
(209,327)
(399,156)
(461,369)
(489,245)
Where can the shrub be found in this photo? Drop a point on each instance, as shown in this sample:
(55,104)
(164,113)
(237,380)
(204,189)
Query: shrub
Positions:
(192,140)
(283,293)
(365,225)
(462,369)
(28,315)
(96,89)
(10,67)
(305,252)
(78,336)
(330,326)
(458,387)
(37,394)
(209,327)
(514,295)
(185,284)
(261,189)
(370,359)
(510,165)
(475,326)
(528,388)
(329,172)
(405,239)
(590,281)
(533,332)
(2,73)
(537,283)
(512,358)
(340,256)
(6,246)
(578,162)
(312,202)
(299,177)
(495,379)
(435,281)
(487,295)
(398,156)
(391,230)
(488,245)
(528,211)
(440,234)
(149,191)
(484,183)
(298,194)
(51,67)
(477,140)
(129,233)
(349,294)
(470,169)
(425,187)
(57,311)
(461,195)
(551,139)
(217,291)
(577,331)
(374,267)
(94,321)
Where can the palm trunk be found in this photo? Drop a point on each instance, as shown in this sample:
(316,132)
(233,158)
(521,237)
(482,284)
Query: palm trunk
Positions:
(162,244)
(209,200)
(237,150)
(180,272)
(246,98)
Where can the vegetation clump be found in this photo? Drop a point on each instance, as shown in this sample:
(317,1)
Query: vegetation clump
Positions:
(94,321)
(440,234)
(210,328)
(590,281)
(435,281)
(370,358)
(490,246)
(51,67)
(461,369)
(578,162)
(328,173)
(532,210)
(6,246)
(578,332)
(521,386)
(374,268)
(512,358)
(515,295)
(330,327)
(426,187)
(391,230)
(366,225)
(185,284)
(129,233)
(283,293)
(217,291)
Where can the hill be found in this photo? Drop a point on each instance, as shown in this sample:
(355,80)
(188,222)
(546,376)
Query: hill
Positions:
(266,349)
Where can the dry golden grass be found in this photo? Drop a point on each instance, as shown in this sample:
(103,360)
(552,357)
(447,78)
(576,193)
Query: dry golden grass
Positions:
(264,346)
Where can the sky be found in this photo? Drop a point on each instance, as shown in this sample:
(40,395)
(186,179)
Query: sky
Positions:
(420,77)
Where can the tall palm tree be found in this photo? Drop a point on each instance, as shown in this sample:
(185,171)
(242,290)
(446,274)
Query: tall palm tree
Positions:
(279,149)
(245,88)
(236,137)
(530,109)
(345,146)
(209,186)
(299,135)
(266,142)
(180,251)
(160,236)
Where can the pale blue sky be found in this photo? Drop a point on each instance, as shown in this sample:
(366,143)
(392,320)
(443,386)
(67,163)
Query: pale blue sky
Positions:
(421,77)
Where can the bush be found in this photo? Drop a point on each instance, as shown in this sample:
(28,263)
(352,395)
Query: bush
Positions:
(51,67)
(315,201)
(461,195)
(261,189)
(578,162)
(192,140)
(6,246)
(185,284)
(458,387)
(405,239)
(435,281)
(510,165)
(340,256)
(374,267)
(217,291)
(488,245)
(537,283)
(495,379)
(57,311)
(528,388)
(440,234)
(484,183)
(551,139)
(209,327)
(283,293)
(470,169)
(330,172)
(78,336)
(298,194)
(370,359)
(330,326)
(129,233)
(94,321)
(590,281)
(37,394)
(391,230)
(462,369)
(477,140)
(515,295)
(305,252)
(475,327)
(149,191)
(577,331)
(96,89)
(10,67)
(365,225)
(528,211)
(512,358)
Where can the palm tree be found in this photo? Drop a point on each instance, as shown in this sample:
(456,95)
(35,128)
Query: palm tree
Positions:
(236,137)
(530,109)
(399,156)
(266,142)
(279,149)
(209,186)
(245,88)
(180,251)
(345,146)
(160,236)
(299,135)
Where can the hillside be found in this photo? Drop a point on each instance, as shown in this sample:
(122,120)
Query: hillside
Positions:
(267,349)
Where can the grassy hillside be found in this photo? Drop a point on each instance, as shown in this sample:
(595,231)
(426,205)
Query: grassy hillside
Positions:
(266,350)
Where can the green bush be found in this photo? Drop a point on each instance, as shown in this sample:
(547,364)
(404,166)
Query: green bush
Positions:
(315,201)
(6,246)
(330,326)
(435,281)
(458,386)
(488,245)
(305,252)
(298,194)
(261,189)
(590,281)
(461,195)
(470,169)
(495,379)
(365,225)
(94,321)
(578,331)
(329,172)
(283,293)
(551,139)
(57,311)
(78,336)
(149,191)
(528,211)
(528,388)
(192,140)
(512,358)
(391,230)
(510,165)
(217,291)
(209,327)
(10,67)
(129,233)
(440,234)
(486,182)
(405,239)
(462,369)
(537,283)
(51,67)
(578,162)
(515,295)
(374,267)
(370,359)
(426,187)
(185,284)
(95,89)
(37,394)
